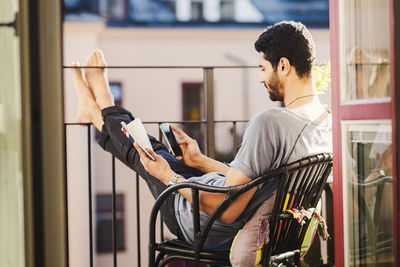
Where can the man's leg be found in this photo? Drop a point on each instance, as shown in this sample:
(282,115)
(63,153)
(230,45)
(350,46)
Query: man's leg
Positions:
(112,117)
(88,110)
(114,141)
(118,144)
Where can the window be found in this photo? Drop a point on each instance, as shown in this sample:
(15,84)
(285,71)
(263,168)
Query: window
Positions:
(113,10)
(116,91)
(192,103)
(365,50)
(227,10)
(80,6)
(104,242)
(197,11)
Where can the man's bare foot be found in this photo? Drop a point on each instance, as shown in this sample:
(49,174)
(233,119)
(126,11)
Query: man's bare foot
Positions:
(97,79)
(88,110)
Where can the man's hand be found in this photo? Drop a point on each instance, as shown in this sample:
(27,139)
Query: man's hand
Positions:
(386,161)
(158,168)
(192,155)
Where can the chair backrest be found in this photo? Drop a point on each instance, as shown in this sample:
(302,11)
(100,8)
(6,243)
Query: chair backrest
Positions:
(300,187)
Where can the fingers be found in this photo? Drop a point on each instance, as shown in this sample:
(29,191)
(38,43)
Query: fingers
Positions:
(152,153)
(181,142)
(144,157)
(185,139)
(181,133)
(139,150)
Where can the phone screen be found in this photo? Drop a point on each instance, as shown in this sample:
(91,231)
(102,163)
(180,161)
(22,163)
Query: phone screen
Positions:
(171,140)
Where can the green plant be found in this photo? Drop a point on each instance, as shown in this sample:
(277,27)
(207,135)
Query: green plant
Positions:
(322,77)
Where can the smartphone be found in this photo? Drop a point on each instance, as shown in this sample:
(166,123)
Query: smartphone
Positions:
(171,140)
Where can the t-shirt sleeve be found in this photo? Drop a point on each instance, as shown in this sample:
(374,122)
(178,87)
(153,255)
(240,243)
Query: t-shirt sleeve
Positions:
(255,156)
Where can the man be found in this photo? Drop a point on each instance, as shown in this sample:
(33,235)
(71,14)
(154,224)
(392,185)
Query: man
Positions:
(272,138)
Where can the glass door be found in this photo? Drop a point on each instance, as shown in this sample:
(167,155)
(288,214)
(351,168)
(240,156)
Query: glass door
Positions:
(364,129)
(367,192)
(12,244)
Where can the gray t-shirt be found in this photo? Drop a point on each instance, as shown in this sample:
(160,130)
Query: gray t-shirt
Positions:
(272,138)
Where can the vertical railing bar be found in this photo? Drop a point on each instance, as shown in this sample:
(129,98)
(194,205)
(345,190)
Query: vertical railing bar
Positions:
(161,221)
(90,197)
(114,217)
(66,195)
(234,139)
(209,97)
(138,221)
(196,213)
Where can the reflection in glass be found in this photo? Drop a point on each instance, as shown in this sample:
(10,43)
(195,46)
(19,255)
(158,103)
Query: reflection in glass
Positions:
(365,50)
(369,194)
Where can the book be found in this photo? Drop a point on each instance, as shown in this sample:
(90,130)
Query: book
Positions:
(136,132)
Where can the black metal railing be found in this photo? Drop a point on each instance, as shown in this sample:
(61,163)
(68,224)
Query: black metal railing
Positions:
(138,199)
(209,122)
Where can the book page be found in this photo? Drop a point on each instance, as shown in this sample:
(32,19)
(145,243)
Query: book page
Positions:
(139,133)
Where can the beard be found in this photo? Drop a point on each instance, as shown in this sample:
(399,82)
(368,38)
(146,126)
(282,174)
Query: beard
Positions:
(274,87)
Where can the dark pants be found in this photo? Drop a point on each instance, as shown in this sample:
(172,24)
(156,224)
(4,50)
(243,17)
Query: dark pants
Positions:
(114,141)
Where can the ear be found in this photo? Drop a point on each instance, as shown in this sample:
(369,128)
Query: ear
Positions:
(284,66)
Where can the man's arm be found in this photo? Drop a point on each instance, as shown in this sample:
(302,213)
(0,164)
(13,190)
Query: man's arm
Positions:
(207,164)
(208,201)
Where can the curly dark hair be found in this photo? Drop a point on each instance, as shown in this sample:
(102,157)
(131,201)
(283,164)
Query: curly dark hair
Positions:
(291,40)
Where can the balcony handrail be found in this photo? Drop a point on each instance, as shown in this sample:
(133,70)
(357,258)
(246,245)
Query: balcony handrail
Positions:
(169,121)
(208,121)
(162,67)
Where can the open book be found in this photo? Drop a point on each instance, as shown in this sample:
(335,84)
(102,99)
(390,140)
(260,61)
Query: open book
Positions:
(136,132)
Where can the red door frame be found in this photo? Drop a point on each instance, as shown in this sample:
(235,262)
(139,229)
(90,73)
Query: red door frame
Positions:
(384,110)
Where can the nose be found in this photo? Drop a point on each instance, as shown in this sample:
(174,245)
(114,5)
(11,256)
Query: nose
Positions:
(262,80)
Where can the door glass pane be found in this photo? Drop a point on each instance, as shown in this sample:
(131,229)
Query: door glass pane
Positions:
(368,197)
(11,189)
(365,48)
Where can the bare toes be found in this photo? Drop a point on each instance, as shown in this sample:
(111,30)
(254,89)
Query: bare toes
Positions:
(96,58)
(91,60)
(99,57)
(77,75)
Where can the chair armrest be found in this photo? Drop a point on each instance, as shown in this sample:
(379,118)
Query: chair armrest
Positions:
(231,192)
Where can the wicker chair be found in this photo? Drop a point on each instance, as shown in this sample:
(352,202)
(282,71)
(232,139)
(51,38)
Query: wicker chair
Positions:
(300,186)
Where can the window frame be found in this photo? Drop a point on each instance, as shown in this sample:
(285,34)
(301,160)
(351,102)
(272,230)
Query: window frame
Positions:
(362,110)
